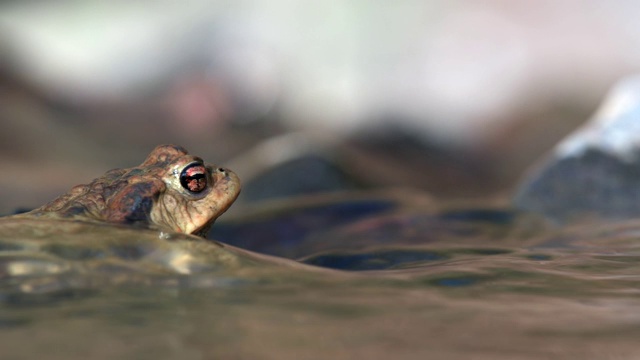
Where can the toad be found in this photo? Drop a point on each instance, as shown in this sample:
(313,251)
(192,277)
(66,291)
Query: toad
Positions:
(170,191)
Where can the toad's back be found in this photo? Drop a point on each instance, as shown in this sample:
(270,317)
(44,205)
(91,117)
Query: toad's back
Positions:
(171,191)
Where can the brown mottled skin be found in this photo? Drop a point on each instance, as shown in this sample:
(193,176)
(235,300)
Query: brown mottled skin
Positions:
(170,191)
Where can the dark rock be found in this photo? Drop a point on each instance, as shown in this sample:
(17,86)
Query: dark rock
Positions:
(307,174)
(596,170)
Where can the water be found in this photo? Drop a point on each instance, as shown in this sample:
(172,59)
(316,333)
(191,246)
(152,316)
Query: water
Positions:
(476,287)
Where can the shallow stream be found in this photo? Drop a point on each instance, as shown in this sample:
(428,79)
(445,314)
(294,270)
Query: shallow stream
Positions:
(475,287)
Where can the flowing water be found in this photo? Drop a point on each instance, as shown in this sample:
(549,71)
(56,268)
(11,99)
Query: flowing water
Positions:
(468,289)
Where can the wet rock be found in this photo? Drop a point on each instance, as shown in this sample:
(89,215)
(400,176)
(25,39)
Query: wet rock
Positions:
(307,174)
(392,154)
(385,156)
(596,170)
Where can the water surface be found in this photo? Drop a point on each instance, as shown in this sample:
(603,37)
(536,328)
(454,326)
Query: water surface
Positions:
(493,291)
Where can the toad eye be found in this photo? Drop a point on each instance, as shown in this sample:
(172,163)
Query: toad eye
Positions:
(194,177)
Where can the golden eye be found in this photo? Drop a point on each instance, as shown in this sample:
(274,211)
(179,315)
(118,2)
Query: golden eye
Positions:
(194,177)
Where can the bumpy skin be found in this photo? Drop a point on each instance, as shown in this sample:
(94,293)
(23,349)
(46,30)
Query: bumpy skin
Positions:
(171,191)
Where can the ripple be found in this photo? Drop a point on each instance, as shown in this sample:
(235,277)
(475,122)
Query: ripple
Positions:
(376,260)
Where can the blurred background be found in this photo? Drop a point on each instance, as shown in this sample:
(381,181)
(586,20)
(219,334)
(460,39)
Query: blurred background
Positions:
(456,98)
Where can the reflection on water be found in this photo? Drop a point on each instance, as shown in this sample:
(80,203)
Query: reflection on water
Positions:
(478,293)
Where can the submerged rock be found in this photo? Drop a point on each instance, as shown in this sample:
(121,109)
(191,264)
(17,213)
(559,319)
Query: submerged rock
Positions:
(596,170)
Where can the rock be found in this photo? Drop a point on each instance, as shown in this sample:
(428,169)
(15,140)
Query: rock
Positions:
(595,171)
